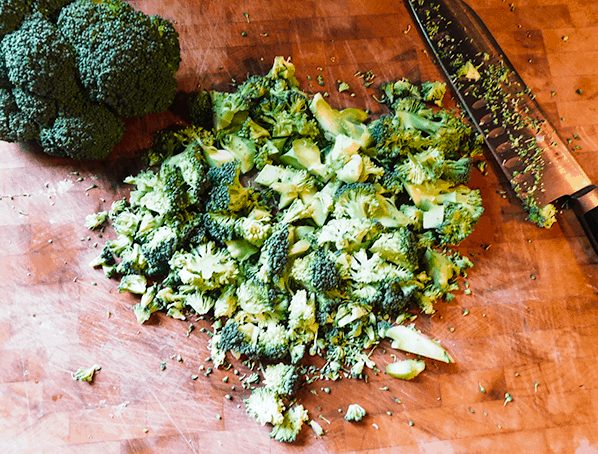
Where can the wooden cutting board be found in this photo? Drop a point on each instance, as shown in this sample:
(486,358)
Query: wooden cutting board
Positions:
(529,328)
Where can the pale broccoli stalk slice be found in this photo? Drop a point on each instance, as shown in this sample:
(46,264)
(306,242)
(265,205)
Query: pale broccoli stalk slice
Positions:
(407,338)
(288,429)
(304,153)
(406,369)
(86,374)
(243,150)
(350,122)
(355,413)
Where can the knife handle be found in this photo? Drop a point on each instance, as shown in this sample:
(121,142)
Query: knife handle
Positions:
(585,206)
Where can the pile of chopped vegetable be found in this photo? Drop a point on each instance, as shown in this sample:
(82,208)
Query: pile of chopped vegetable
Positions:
(300,229)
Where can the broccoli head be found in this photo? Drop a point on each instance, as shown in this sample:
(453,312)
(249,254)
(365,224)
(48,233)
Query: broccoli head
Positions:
(126,59)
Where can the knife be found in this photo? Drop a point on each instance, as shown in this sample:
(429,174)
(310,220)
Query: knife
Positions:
(517,132)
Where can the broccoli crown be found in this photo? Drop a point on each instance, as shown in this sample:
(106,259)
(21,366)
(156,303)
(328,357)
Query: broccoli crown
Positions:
(82,130)
(126,59)
(39,60)
(11,14)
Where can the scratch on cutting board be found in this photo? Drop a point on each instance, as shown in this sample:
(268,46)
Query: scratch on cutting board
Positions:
(173,422)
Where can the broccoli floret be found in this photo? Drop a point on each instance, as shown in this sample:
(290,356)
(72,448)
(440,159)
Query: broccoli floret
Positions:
(193,170)
(543,216)
(169,196)
(427,165)
(355,413)
(235,338)
(290,184)
(324,271)
(160,247)
(457,223)
(282,378)
(141,55)
(265,406)
(103,259)
(287,430)
(227,194)
(220,227)
(273,342)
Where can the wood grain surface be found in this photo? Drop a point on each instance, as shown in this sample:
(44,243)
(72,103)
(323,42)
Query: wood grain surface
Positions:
(531,329)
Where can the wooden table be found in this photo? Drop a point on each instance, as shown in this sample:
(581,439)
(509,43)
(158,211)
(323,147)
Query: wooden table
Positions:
(532,326)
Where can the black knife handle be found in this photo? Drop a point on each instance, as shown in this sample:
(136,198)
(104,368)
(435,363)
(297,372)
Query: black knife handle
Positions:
(585,205)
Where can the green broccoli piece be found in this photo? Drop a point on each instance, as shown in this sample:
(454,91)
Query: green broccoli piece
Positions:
(205,267)
(103,259)
(355,413)
(194,172)
(11,15)
(427,165)
(459,171)
(200,109)
(281,378)
(275,252)
(288,429)
(160,246)
(227,194)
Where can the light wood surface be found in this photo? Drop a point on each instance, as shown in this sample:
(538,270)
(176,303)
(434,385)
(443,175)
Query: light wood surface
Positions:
(532,326)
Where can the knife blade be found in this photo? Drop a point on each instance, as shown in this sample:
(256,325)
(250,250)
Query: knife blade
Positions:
(516,131)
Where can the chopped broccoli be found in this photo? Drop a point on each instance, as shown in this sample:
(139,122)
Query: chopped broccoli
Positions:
(86,374)
(355,413)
